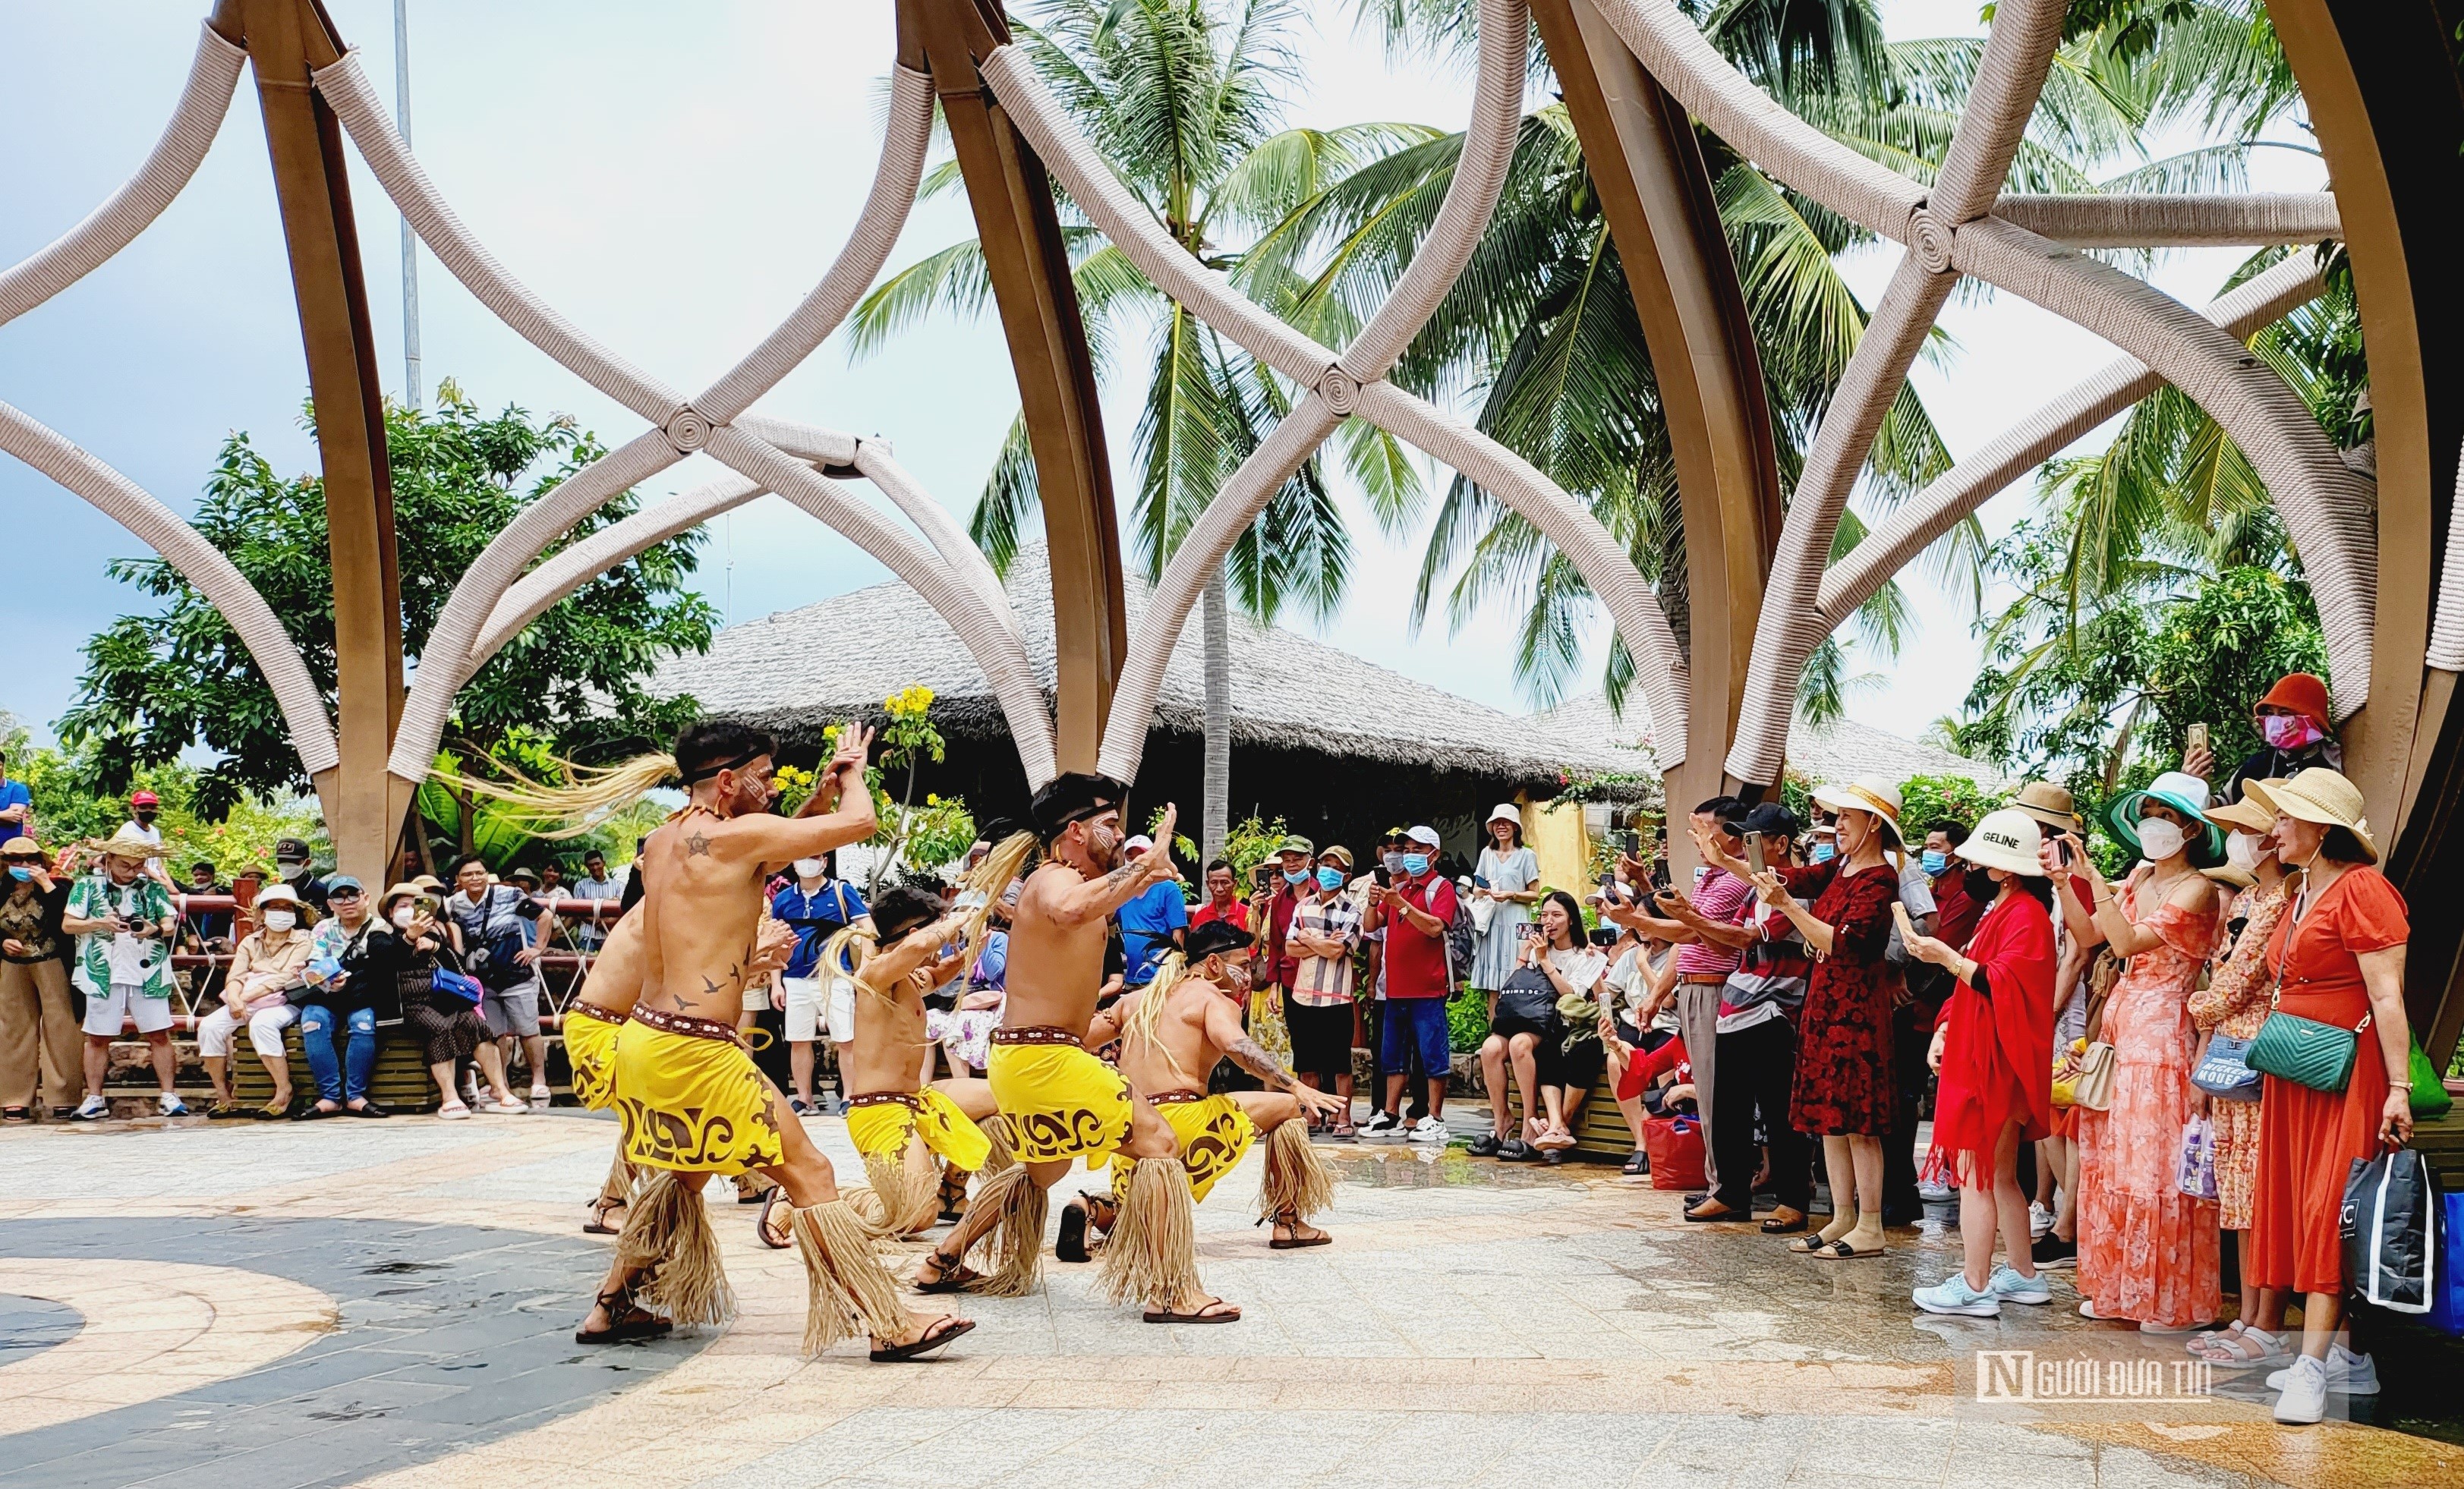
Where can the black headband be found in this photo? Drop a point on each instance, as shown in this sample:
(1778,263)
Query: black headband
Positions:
(737,764)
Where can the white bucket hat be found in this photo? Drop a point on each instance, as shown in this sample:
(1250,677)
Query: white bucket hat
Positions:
(2006,840)
(1506,811)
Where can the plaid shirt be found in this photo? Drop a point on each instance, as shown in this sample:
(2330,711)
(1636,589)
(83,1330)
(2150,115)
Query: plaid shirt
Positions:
(1326,981)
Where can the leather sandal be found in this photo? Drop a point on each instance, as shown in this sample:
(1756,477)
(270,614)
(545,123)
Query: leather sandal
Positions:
(937,1333)
(626,1322)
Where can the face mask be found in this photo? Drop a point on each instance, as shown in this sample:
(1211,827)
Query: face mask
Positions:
(1824,852)
(2288,730)
(404,914)
(20,872)
(2241,851)
(1329,878)
(808,868)
(1295,876)
(1934,860)
(280,920)
(1394,862)
(1416,863)
(2159,839)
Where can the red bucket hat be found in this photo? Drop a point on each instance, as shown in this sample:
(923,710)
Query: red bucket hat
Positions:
(2301,694)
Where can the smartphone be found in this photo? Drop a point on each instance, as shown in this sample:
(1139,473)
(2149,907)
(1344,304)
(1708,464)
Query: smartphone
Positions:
(2063,845)
(1261,878)
(1479,880)
(1754,852)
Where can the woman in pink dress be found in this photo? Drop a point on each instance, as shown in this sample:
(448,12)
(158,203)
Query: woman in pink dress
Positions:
(2147,1251)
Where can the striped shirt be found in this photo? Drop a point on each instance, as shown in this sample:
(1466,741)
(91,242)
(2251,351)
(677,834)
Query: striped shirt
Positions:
(1723,898)
(1326,981)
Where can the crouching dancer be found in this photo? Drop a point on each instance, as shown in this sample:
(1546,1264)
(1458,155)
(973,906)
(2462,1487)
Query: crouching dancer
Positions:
(1060,1101)
(683,1087)
(1172,1033)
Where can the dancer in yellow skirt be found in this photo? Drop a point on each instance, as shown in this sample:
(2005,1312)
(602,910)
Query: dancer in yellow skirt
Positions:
(683,1085)
(1172,1033)
(899,1124)
(1060,1103)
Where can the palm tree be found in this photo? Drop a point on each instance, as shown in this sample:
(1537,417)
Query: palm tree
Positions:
(1181,97)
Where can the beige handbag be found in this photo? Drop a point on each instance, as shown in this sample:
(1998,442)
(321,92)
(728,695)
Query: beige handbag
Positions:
(2093,1086)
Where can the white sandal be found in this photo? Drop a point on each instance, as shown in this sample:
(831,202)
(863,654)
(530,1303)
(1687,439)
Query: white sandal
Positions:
(2251,1348)
(453,1112)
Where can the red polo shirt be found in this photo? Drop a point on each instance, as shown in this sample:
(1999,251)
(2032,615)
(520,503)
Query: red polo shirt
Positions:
(1416,961)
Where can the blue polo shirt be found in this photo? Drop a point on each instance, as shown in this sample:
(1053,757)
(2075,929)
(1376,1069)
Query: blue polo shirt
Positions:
(1147,924)
(16,793)
(817,918)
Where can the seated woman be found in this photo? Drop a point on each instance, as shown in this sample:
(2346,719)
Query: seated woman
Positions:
(256,994)
(1554,964)
(1641,978)
(409,944)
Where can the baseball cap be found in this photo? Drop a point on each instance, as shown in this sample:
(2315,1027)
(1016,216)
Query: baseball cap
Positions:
(144,798)
(1294,843)
(1137,844)
(291,848)
(342,884)
(1425,836)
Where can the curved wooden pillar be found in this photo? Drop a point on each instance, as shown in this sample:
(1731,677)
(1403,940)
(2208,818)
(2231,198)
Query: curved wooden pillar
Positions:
(1643,158)
(285,38)
(1047,346)
(2382,91)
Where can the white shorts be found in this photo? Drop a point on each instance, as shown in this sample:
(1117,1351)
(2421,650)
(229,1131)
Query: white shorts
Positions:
(104,1015)
(803,1009)
(842,1010)
(265,1028)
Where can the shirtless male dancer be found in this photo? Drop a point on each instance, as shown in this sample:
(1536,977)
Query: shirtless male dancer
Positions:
(1061,1103)
(1172,1033)
(687,1093)
(900,1125)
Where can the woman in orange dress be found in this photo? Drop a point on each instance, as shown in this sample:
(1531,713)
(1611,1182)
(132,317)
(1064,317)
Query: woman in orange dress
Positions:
(1993,1051)
(2339,951)
(2233,1004)
(2147,1251)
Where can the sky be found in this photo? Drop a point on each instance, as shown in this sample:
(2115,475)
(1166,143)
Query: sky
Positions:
(675,189)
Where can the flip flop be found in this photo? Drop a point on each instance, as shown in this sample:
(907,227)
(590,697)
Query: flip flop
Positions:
(948,1276)
(1206,1314)
(776,1241)
(937,1333)
(1840,1251)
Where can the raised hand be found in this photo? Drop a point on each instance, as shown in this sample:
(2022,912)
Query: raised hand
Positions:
(855,747)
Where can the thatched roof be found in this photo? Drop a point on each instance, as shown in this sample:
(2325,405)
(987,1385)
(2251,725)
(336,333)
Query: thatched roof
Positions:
(798,670)
(1842,750)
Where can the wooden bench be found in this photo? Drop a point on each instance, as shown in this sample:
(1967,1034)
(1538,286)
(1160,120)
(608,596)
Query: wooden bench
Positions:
(400,1082)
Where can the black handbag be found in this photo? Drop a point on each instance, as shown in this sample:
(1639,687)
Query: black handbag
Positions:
(1529,996)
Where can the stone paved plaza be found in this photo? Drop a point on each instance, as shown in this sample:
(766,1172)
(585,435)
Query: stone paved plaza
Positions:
(269,1305)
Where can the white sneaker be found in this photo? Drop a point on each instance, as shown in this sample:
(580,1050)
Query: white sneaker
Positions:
(2348,1375)
(1953,1295)
(171,1105)
(1933,1194)
(2040,1220)
(93,1108)
(2011,1287)
(2304,1387)
(541,1097)
(1383,1128)
(1428,1129)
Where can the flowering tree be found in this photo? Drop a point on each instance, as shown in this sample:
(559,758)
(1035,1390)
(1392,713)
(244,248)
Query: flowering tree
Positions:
(913,835)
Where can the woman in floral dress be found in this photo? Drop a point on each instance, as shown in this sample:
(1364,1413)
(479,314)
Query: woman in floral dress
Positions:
(2234,1004)
(2147,1252)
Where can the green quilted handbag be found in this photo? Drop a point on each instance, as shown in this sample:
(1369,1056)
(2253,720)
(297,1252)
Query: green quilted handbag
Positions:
(2291,1048)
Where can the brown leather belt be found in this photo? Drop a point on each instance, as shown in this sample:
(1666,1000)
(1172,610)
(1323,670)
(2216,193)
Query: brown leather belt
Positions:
(1175,1098)
(581,1010)
(667,1022)
(1037,1033)
(1720,980)
(906,1099)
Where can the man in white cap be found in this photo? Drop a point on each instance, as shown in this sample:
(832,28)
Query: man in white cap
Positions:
(1416,910)
(124,923)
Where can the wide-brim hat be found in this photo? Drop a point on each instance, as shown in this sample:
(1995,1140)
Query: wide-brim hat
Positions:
(125,843)
(1881,797)
(1506,811)
(2245,815)
(275,893)
(2319,795)
(2005,839)
(2228,874)
(399,891)
(2184,793)
(2048,803)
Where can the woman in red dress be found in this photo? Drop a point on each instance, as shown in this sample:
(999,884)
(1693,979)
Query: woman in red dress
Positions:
(2339,952)
(1843,1052)
(1994,1052)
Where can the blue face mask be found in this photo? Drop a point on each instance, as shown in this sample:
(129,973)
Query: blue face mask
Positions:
(1295,876)
(20,873)
(1824,852)
(1329,878)
(1416,863)
(1934,860)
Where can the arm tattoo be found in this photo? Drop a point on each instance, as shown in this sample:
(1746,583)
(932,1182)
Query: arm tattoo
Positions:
(1119,876)
(1249,1055)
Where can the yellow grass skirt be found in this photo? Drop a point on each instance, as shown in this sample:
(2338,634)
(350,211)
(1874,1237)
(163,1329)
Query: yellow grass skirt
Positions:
(879,1129)
(1214,1133)
(591,1049)
(1061,1101)
(694,1102)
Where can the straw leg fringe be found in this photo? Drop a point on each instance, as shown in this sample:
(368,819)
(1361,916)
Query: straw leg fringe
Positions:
(1014,1246)
(1297,1183)
(848,1291)
(1005,1154)
(617,1189)
(1151,1256)
(672,1250)
(909,1190)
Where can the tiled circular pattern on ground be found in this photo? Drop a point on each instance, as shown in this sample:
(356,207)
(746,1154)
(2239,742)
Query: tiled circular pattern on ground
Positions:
(322,1352)
(31,1325)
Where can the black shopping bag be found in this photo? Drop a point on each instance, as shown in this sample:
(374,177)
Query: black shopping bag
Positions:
(2390,1231)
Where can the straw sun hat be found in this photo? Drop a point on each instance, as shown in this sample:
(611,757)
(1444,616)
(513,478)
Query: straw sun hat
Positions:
(1881,797)
(2317,794)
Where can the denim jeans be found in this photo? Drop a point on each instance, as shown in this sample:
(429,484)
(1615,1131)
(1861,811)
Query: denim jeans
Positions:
(316,1038)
